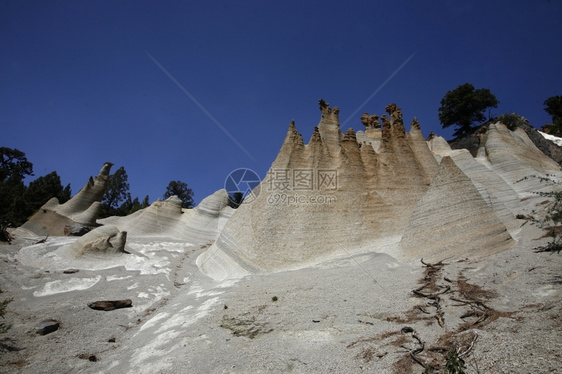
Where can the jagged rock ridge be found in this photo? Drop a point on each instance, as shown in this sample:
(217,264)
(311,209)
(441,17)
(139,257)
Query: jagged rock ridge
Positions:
(472,141)
(174,314)
(377,190)
(81,209)
(381,192)
(452,219)
(168,219)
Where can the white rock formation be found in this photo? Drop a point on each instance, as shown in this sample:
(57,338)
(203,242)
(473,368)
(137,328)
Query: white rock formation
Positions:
(345,194)
(83,208)
(103,239)
(515,158)
(168,219)
(453,220)
(381,190)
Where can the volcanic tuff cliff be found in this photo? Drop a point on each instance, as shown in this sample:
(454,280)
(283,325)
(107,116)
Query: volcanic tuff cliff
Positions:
(82,209)
(355,211)
(472,141)
(167,219)
(381,190)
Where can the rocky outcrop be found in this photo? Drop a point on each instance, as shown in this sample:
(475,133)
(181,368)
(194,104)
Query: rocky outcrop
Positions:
(45,222)
(82,209)
(453,220)
(329,128)
(103,239)
(515,158)
(383,189)
(495,191)
(546,146)
(370,122)
(337,194)
(167,219)
(472,141)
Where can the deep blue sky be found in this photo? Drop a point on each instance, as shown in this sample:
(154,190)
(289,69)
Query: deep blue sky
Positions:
(78,88)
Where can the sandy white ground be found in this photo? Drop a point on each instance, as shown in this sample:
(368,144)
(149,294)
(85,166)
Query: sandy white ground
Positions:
(343,315)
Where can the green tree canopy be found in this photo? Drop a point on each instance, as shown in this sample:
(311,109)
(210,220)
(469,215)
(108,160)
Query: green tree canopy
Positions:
(553,106)
(131,206)
(36,195)
(116,193)
(14,165)
(44,188)
(117,199)
(18,202)
(464,106)
(13,211)
(181,190)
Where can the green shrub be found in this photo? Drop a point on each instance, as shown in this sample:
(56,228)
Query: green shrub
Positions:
(510,120)
(454,364)
(552,221)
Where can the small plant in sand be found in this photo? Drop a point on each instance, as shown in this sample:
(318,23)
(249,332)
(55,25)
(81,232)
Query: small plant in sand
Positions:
(552,220)
(3,305)
(274,298)
(454,364)
(5,236)
(428,370)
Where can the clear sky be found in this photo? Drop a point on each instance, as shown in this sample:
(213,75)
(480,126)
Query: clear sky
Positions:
(84,82)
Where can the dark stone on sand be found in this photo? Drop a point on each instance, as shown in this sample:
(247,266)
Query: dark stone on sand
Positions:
(89,357)
(48,326)
(108,305)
